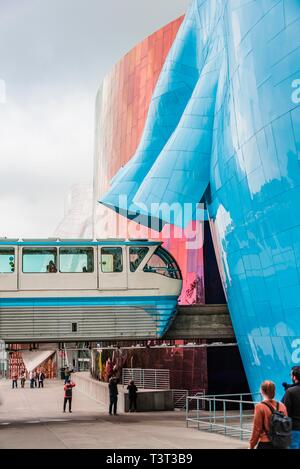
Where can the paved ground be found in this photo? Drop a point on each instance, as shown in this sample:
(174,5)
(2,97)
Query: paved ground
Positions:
(33,418)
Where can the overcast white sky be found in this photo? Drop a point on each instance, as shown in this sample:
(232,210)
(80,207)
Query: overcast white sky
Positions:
(53,56)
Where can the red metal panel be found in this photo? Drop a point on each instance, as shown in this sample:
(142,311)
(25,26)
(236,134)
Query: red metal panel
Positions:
(128,90)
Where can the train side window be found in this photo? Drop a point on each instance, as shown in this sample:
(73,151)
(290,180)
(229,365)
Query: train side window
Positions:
(39,260)
(136,255)
(76,260)
(161,262)
(7,260)
(111,260)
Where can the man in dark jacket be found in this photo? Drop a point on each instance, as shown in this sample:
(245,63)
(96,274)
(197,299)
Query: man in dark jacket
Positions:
(292,403)
(113,394)
(132,394)
(41,379)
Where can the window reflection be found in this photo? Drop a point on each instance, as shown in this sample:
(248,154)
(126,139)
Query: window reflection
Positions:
(7,260)
(76,260)
(161,262)
(111,260)
(39,260)
(136,255)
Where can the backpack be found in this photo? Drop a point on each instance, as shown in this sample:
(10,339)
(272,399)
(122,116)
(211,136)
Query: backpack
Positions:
(280,428)
(69,391)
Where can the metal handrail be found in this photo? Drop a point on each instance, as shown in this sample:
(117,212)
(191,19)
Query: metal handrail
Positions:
(147,378)
(211,419)
(236,394)
(184,393)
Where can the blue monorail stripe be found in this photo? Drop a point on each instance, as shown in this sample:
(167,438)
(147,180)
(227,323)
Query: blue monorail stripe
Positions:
(157,301)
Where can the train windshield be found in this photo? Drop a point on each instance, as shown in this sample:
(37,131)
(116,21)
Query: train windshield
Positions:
(161,262)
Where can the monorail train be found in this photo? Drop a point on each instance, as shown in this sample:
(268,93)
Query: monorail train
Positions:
(66,290)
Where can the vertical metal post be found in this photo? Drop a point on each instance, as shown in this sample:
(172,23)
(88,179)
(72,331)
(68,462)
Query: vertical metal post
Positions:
(209,407)
(241,419)
(214,409)
(198,412)
(224,416)
(187,410)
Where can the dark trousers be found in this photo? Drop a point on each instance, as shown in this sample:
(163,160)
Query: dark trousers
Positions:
(41,384)
(31,383)
(66,399)
(14,382)
(113,400)
(35,383)
(265,445)
(132,402)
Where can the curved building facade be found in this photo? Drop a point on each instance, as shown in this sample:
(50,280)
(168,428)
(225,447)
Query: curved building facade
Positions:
(122,106)
(223,128)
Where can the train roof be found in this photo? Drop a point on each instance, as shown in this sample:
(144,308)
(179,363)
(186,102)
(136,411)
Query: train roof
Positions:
(76,242)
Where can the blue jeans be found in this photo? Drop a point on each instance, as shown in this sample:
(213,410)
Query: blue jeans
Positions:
(295,440)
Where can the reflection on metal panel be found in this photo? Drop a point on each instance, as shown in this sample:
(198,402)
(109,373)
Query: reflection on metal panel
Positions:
(250,159)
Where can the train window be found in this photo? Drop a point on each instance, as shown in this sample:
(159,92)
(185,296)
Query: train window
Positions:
(111,260)
(39,260)
(7,260)
(161,262)
(136,255)
(76,260)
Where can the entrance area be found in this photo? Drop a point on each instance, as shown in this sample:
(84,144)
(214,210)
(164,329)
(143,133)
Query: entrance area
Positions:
(51,358)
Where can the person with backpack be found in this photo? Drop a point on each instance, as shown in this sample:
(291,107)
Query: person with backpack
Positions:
(271,425)
(68,388)
(292,402)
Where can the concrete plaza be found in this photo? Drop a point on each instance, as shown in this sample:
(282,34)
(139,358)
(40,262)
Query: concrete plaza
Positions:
(33,418)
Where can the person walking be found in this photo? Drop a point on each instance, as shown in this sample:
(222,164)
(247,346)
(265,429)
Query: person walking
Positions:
(262,417)
(68,388)
(292,402)
(67,374)
(23,379)
(108,369)
(31,379)
(14,380)
(113,394)
(41,379)
(132,394)
(36,379)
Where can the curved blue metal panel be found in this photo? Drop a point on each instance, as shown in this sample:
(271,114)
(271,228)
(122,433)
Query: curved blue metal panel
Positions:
(236,131)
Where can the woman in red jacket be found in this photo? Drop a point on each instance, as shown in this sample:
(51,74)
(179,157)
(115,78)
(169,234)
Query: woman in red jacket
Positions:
(68,388)
(262,417)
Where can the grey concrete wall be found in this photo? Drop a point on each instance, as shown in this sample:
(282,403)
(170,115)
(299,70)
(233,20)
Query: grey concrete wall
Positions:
(148,399)
(201,322)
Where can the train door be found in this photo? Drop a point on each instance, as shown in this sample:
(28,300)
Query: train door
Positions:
(8,268)
(112,267)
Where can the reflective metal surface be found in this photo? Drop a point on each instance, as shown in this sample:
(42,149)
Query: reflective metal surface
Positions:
(224,124)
